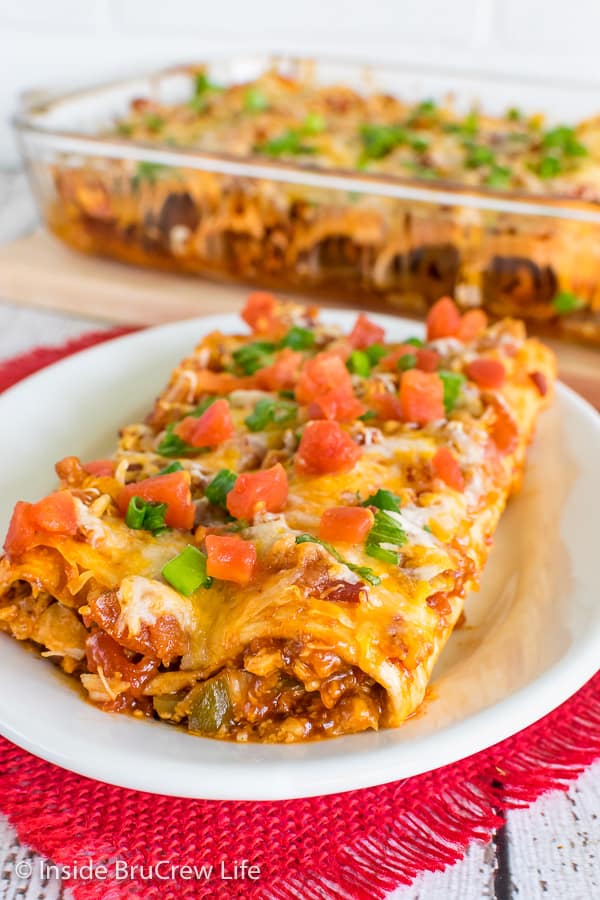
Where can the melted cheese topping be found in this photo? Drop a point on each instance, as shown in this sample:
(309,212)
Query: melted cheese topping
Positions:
(143,601)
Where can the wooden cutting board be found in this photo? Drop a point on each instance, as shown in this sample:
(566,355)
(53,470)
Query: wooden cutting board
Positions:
(38,270)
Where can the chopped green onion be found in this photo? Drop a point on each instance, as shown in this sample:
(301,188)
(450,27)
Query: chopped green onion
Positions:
(478,155)
(359,363)
(147,515)
(313,124)
(284,413)
(468,128)
(549,166)
(376,352)
(414,342)
(172,467)
(186,572)
(255,100)
(418,143)
(363,571)
(289,142)
(269,411)
(513,114)
(383,499)
(385,530)
(427,106)
(202,84)
(202,87)
(136,510)
(216,492)
(379,140)
(287,395)
(499,177)
(249,358)
(155,518)
(453,382)
(124,129)
(298,338)
(380,553)
(261,415)
(564,302)
(563,139)
(407,361)
(368,415)
(424,110)
(148,171)
(470,123)
(154,122)
(173,445)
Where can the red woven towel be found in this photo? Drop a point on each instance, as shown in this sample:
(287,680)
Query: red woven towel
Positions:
(354,846)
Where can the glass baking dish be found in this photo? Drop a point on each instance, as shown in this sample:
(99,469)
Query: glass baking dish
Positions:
(370,238)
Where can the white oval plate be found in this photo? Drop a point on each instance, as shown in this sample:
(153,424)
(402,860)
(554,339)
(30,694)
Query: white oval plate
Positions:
(532,636)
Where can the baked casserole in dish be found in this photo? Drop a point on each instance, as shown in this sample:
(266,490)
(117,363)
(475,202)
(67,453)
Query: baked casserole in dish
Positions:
(334,179)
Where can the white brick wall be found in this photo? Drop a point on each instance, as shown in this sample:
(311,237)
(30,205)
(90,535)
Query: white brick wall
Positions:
(310,19)
(56,43)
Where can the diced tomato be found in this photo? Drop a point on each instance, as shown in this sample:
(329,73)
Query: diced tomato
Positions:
(259,308)
(473,323)
(390,362)
(487,373)
(504,432)
(21,535)
(325,448)
(336,405)
(428,359)
(421,397)
(445,465)
(100,467)
(54,514)
(346,523)
(443,319)
(262,491)
(325,382)
(172,489)
(387,406)
(324,372)
(230,558)
(283,373)
(214,426)
(365,333)
(261,313)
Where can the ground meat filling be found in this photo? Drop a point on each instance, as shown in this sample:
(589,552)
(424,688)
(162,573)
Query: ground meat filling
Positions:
(281,691)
